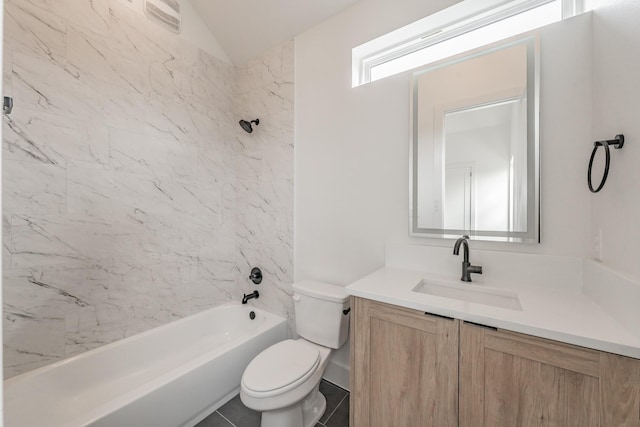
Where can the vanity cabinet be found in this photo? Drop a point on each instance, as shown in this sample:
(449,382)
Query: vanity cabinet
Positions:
(409,368)
(512,379)
(404,367)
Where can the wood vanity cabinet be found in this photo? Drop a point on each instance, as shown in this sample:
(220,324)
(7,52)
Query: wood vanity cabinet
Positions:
(512,379)
(413,369)
(404,367)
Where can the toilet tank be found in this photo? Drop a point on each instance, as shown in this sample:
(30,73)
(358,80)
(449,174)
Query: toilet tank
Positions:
(320,314)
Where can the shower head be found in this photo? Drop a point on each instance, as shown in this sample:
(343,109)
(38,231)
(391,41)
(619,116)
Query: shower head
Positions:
(247,125)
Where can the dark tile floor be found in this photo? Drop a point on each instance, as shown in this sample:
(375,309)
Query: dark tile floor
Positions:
(235,414)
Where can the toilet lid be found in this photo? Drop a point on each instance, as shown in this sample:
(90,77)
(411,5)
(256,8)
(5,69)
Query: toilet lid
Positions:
(281,365)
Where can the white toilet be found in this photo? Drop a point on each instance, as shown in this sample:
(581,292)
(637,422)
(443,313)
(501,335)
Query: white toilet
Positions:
(282,381)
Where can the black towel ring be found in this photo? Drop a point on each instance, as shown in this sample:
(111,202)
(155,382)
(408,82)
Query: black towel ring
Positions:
(617,142)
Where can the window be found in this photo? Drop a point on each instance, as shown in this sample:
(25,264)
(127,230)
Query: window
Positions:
(464,26)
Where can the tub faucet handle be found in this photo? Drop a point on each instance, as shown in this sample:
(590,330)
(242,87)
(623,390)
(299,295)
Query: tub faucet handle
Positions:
(256,275)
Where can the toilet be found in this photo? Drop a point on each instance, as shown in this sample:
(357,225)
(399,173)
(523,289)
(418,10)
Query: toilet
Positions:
(282,382)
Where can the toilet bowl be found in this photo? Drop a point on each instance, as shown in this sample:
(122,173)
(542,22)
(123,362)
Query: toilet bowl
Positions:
(282,382)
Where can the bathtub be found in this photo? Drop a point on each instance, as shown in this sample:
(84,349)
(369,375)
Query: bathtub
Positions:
(170,376)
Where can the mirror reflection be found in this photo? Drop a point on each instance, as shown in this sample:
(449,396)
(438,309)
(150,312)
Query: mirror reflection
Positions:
(474,149)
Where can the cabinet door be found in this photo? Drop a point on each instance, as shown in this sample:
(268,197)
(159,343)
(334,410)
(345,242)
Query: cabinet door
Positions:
(509,379)
(404,367)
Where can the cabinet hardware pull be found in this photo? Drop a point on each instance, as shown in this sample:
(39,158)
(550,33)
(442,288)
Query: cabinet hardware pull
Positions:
(480,325)
(439,315)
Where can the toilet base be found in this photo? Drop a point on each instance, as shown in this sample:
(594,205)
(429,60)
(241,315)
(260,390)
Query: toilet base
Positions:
(304,414)
(313,408)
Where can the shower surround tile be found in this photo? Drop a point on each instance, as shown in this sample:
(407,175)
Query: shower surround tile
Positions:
(148,155)
(93,14)
(33,187)
(39,137)
(30,27)
(264,187)
(131,196)
(91,58)
(57,88)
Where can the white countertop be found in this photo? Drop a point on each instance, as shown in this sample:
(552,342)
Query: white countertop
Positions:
(562,315)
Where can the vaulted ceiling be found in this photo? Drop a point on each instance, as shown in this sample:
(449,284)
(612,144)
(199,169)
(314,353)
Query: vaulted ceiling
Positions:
(246,28)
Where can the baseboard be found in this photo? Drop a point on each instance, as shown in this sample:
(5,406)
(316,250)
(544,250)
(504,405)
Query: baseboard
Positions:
(337,374)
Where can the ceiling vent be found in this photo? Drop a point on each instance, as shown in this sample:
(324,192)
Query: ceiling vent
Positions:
(164,12)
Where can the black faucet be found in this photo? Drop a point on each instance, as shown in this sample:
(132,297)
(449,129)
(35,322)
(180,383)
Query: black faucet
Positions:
(252,295)
(467,268)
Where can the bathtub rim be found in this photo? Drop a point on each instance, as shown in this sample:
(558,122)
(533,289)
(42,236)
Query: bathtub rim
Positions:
(139,335)
(100,410)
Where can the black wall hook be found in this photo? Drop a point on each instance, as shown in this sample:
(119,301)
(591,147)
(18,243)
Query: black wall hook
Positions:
(618,143)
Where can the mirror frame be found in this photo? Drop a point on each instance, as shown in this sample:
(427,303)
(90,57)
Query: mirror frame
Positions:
(532,235)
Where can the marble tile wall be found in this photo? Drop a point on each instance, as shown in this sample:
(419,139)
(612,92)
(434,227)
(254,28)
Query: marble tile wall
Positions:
(131,195)
(263,89)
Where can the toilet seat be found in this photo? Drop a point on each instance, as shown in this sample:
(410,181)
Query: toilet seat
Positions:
(280,368)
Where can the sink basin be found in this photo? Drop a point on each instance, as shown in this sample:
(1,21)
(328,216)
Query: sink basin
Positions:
(470,293)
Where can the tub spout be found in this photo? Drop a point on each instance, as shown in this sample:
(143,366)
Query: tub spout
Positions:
(252,295)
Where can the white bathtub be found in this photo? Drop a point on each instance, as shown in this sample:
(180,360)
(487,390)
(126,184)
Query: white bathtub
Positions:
(170,376)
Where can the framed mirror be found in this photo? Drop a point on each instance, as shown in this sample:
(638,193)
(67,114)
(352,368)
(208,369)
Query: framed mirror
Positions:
(474,149)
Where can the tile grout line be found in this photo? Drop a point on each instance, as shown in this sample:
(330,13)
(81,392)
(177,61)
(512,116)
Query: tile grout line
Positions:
(226,419)
(337,406)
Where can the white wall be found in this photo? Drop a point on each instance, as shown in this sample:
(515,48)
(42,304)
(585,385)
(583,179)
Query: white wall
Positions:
(351,154)
(351,159)
(616,109)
